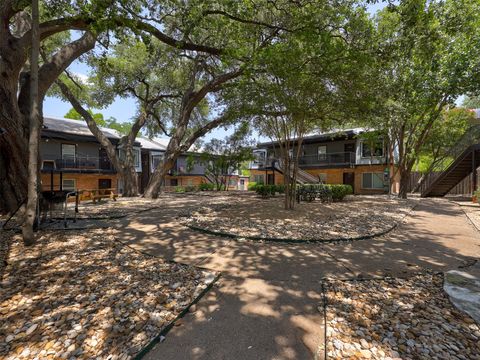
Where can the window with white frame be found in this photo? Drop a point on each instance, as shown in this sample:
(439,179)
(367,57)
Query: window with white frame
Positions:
(69,184)
(322,152)
(156,160)
(136,157)
(68,151)
(372,180)
(372,148)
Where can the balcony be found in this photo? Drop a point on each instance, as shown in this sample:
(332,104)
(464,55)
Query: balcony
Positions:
(77,163)
(331,159)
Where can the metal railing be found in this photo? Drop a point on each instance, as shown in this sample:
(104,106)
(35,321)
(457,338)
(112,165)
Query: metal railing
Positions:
(329,159)
(471,137)
(83,162)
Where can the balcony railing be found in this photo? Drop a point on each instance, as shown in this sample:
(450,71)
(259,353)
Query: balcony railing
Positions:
(83,162)
(330,159)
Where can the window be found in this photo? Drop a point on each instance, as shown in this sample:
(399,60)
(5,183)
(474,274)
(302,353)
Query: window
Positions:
(156,160)
(68,151)
(173,182)
(372,149)
(232,182)
(322,152)
(48,165)
(136,157)
(323,178)
(69,184)
(189,182)
(372,180)
(258,179)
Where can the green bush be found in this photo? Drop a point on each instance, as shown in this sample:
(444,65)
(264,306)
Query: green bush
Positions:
(252,186)
(190,188)
(206,187)
(265,191)
(280,188)
(339,191)
(179,189)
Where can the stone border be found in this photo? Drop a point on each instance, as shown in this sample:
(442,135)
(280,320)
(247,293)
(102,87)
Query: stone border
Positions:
(167,328)
(302,241)
(470,220)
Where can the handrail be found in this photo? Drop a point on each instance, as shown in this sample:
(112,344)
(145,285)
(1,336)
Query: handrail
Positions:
(468,139)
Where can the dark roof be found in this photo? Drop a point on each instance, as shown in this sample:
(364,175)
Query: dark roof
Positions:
(346,134)
(75,130)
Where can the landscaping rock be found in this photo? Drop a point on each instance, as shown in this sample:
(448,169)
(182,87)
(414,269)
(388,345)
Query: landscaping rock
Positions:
(397,318)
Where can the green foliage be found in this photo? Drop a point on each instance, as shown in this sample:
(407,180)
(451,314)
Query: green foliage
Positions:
(339,191)
(323,192)
(206,187)
(190,188)
(471,102)
(265,191)
(111,123)
(252,185)
(179,189)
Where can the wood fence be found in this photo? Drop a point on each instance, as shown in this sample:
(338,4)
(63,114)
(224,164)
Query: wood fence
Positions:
(463,188)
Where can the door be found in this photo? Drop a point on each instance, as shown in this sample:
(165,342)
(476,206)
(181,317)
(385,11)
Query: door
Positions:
(270,179)
(349,149)
(104,183)
(103,161)
(242,184)
(349,179)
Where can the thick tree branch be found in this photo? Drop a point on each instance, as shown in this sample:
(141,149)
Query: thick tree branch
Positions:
(50,71)
(92,125)
(203,130)
(179,44)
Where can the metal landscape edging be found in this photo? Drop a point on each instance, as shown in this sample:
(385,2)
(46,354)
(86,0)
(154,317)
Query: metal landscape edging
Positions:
(303,241)
(169,326)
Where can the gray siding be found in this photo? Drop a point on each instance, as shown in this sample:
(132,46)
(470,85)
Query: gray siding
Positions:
(52,149)
(198,167)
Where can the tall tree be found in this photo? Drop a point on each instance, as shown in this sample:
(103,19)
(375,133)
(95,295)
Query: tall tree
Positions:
(34,131)
(429,50)
(222,157)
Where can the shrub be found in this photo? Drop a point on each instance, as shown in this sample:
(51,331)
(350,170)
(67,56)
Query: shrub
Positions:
(179,189)
(206,187)
(190,188)
(280,188)
(339,191)
(252,186)
(265,191)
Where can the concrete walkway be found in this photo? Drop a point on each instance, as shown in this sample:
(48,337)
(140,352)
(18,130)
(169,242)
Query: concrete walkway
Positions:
(266,304)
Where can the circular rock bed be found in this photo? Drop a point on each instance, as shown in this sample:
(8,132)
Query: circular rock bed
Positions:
(255,218)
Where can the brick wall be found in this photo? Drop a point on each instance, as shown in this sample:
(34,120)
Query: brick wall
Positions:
(83,181)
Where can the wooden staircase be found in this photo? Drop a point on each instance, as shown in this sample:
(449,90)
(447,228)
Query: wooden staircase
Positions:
(303,177)
(459,169)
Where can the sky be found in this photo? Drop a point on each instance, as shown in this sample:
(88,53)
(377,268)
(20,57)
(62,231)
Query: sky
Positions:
(124,109)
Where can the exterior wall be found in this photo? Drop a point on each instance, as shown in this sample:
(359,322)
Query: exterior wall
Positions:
(278,176)
(185,180)
(51,149)
(335,176)
(198,168)
(83,181)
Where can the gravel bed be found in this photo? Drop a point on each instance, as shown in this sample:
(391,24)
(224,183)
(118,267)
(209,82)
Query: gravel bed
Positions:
(358,216)
(472,211)
(397,319)
(82,295)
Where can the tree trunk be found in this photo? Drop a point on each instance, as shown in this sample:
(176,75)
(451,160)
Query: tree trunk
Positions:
(154,186)
(130,182)
(404,183)
(34,136)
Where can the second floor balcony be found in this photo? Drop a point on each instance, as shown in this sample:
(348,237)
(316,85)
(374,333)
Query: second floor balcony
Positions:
(79,163)
(329,159)
(319,160)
